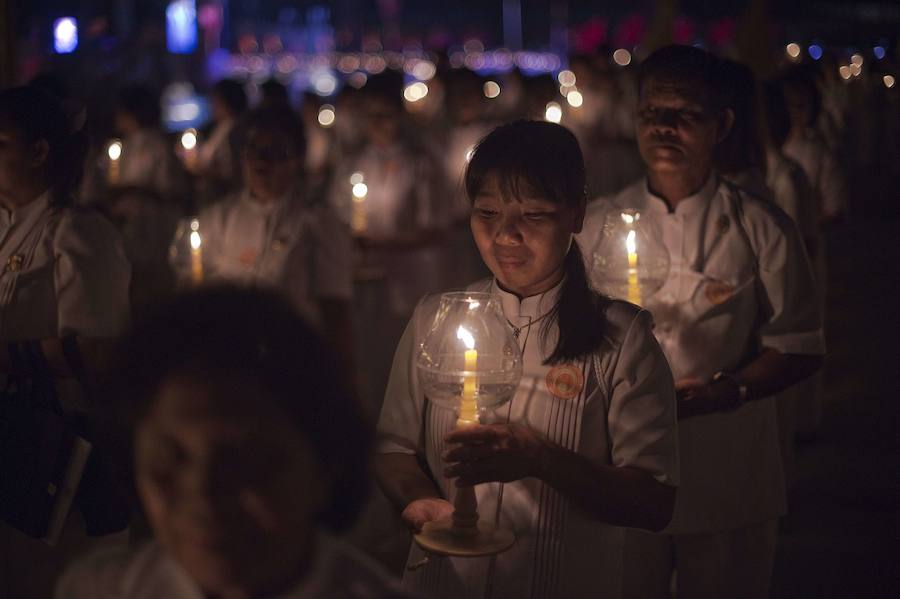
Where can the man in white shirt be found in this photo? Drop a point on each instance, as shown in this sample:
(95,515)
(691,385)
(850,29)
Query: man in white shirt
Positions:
(269,235)
(738,321)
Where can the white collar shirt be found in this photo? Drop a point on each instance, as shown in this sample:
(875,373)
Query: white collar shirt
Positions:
(302,251)
(62,271)
(615,407)
(739,281)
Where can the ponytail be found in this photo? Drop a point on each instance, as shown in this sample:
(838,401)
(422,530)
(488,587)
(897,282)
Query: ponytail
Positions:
(578,314)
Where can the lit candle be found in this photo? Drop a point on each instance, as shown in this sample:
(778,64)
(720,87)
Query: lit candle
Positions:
(634,290)
(114,151)
(358,222)
(189,146)
(196,254)
(468,408)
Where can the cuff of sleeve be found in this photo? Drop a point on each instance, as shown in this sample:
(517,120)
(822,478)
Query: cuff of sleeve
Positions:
(391,444)
(812,343)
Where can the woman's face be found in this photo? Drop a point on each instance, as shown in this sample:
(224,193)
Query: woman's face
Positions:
(19,161)
(231,488)
(523,240)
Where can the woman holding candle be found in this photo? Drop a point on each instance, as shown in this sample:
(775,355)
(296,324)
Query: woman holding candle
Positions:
(587,443)
(63,275)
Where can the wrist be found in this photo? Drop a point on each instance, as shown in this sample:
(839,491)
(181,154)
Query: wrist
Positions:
(735,392)
(547,460)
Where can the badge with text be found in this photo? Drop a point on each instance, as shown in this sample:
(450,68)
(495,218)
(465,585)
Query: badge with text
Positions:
(565,381)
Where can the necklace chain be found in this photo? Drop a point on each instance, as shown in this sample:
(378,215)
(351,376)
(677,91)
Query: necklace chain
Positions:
(518,330)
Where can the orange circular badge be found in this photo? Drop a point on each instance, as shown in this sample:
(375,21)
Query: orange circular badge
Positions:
(565,381)
(718,292)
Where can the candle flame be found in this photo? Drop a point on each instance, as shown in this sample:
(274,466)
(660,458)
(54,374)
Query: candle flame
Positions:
(463,334)
(631,243)
(114,150)
(360,190)
(195,240)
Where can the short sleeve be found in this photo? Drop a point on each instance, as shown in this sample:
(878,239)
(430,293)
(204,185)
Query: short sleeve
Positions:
(333,277)
(400,426)
(642,417)
(793,317)
(92,276)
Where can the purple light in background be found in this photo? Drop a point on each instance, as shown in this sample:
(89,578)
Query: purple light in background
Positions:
(815,51)
(181,26)
(65,35)
(879,52)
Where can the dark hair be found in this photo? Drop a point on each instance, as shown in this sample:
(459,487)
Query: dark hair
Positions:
(386,87)
(37,116)
(778,118)
(545,158)
(232,94)
(278,119)
(233,333)
(274,93)
(688,68)
(141,103)
(802,80)
(743,148)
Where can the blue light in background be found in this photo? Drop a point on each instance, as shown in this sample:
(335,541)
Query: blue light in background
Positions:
(815,51)
(181,26)
(65,35)
(183,108)
(879,52)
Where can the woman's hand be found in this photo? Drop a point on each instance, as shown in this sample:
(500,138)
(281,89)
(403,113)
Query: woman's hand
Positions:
(421,511)
(493,453)
(696,398)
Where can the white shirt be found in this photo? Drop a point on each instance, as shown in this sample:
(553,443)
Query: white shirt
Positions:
(822,169)
(739,280)
(214,156)
(338,572)
(148,161)
(621,413)
(283,244)
(62,271)
(403,190)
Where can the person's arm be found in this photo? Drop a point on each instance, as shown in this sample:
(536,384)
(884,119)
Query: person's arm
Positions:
(638,488)
(791,336)
(398,470)
(621,496)
(410,489)
(771,372)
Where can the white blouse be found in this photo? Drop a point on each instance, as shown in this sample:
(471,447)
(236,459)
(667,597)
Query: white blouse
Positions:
(303,251)
(63,272)
(739,281)
(619,411)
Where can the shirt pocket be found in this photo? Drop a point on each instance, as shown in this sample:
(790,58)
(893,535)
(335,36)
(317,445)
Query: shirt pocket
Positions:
(713,297)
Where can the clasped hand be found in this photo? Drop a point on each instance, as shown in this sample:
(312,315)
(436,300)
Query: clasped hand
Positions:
(493,453)
(697,398)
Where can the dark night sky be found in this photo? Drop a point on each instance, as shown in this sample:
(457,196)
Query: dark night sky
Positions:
(841,20)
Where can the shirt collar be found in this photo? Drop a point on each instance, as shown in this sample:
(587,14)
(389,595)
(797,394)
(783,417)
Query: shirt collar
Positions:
(264,207)
(533,306)
(688,205)
(30,210)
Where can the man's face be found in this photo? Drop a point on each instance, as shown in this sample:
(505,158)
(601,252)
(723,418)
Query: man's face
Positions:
(676,129)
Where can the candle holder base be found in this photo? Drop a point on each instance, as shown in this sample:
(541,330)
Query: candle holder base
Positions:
(441,537)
